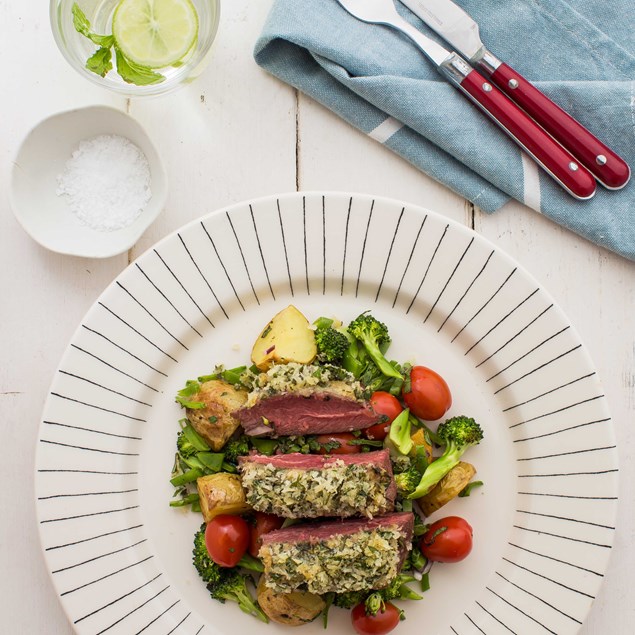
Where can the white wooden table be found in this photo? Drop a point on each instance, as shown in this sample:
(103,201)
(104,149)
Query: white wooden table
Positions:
(234,134)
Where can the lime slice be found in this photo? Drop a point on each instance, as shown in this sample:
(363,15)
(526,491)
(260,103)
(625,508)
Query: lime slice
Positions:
(155,33)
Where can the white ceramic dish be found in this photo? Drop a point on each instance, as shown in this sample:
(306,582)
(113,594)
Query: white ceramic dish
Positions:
(120,558)
(44,215)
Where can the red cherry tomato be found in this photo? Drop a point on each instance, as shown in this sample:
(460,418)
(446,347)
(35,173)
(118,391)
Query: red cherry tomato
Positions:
(264,524)
(383,403)
(227,538)
(429,397)
(343,439)
(448,540)
(379,624)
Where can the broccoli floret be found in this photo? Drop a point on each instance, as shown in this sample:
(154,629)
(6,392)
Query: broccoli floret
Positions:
(233,587)
(223,583)
(235,448)
(184,447)
(460,431)
(458,434)
(373,334)
(331,344)
(349,355)
(398,589)
(350,599)
(407,481)
(206,567)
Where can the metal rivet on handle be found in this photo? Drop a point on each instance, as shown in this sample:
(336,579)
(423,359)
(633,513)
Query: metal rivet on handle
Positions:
(513,83)
(487,87)
(573,166)
(600,159)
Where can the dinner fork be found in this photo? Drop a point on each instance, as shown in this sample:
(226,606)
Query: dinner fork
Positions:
(555,160)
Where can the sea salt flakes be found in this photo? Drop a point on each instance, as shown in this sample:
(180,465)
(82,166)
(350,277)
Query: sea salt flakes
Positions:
(107,182)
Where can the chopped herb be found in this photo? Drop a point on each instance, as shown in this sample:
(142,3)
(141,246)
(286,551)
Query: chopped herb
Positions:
(467,490)
(187,477)
(371,443)
(192,388)
(212,419)
(186,500)
(264,446)
(438,532)
(406,505)
(420,527)
(407,384)
(323,323)
(328,602)
(266,331)
(233,375)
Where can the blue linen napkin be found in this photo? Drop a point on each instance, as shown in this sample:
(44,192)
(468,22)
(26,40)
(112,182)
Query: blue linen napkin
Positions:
(581,53)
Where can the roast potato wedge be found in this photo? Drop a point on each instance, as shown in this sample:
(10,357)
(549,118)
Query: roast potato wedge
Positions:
(221,493)
(288,337)
(447,488)
(419,439)
(214,422)
(292,609)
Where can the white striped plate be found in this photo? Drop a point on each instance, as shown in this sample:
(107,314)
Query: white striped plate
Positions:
(120,557)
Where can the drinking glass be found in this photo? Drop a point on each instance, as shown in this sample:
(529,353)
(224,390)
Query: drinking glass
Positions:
(77,48)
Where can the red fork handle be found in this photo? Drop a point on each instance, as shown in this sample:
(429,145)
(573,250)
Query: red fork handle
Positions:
(557,161)
(607,167)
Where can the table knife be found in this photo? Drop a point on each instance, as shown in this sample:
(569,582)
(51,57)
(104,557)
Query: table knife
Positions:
(556,160)
(462,32)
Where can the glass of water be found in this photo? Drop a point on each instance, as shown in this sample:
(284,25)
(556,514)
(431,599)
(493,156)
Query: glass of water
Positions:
(109,62)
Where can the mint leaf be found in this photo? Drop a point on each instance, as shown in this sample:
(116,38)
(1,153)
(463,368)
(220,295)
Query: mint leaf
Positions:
(132,73)
(102,40)
(80,21)
(191,387)
(100,62)
(82,25)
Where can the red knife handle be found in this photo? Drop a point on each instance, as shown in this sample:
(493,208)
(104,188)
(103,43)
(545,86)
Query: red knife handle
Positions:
(557,161)
(607,167)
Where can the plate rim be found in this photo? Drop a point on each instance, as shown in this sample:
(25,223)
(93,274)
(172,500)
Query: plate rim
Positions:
(301,194)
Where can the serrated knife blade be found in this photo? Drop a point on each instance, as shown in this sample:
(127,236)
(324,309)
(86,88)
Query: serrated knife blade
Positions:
(450,22)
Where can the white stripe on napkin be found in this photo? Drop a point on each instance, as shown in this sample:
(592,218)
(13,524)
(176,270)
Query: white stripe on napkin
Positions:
(385,129)
(531,176)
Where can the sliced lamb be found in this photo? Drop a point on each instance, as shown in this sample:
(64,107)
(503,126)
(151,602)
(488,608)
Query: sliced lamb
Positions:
(300,414)
(310,486)
(337,556)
